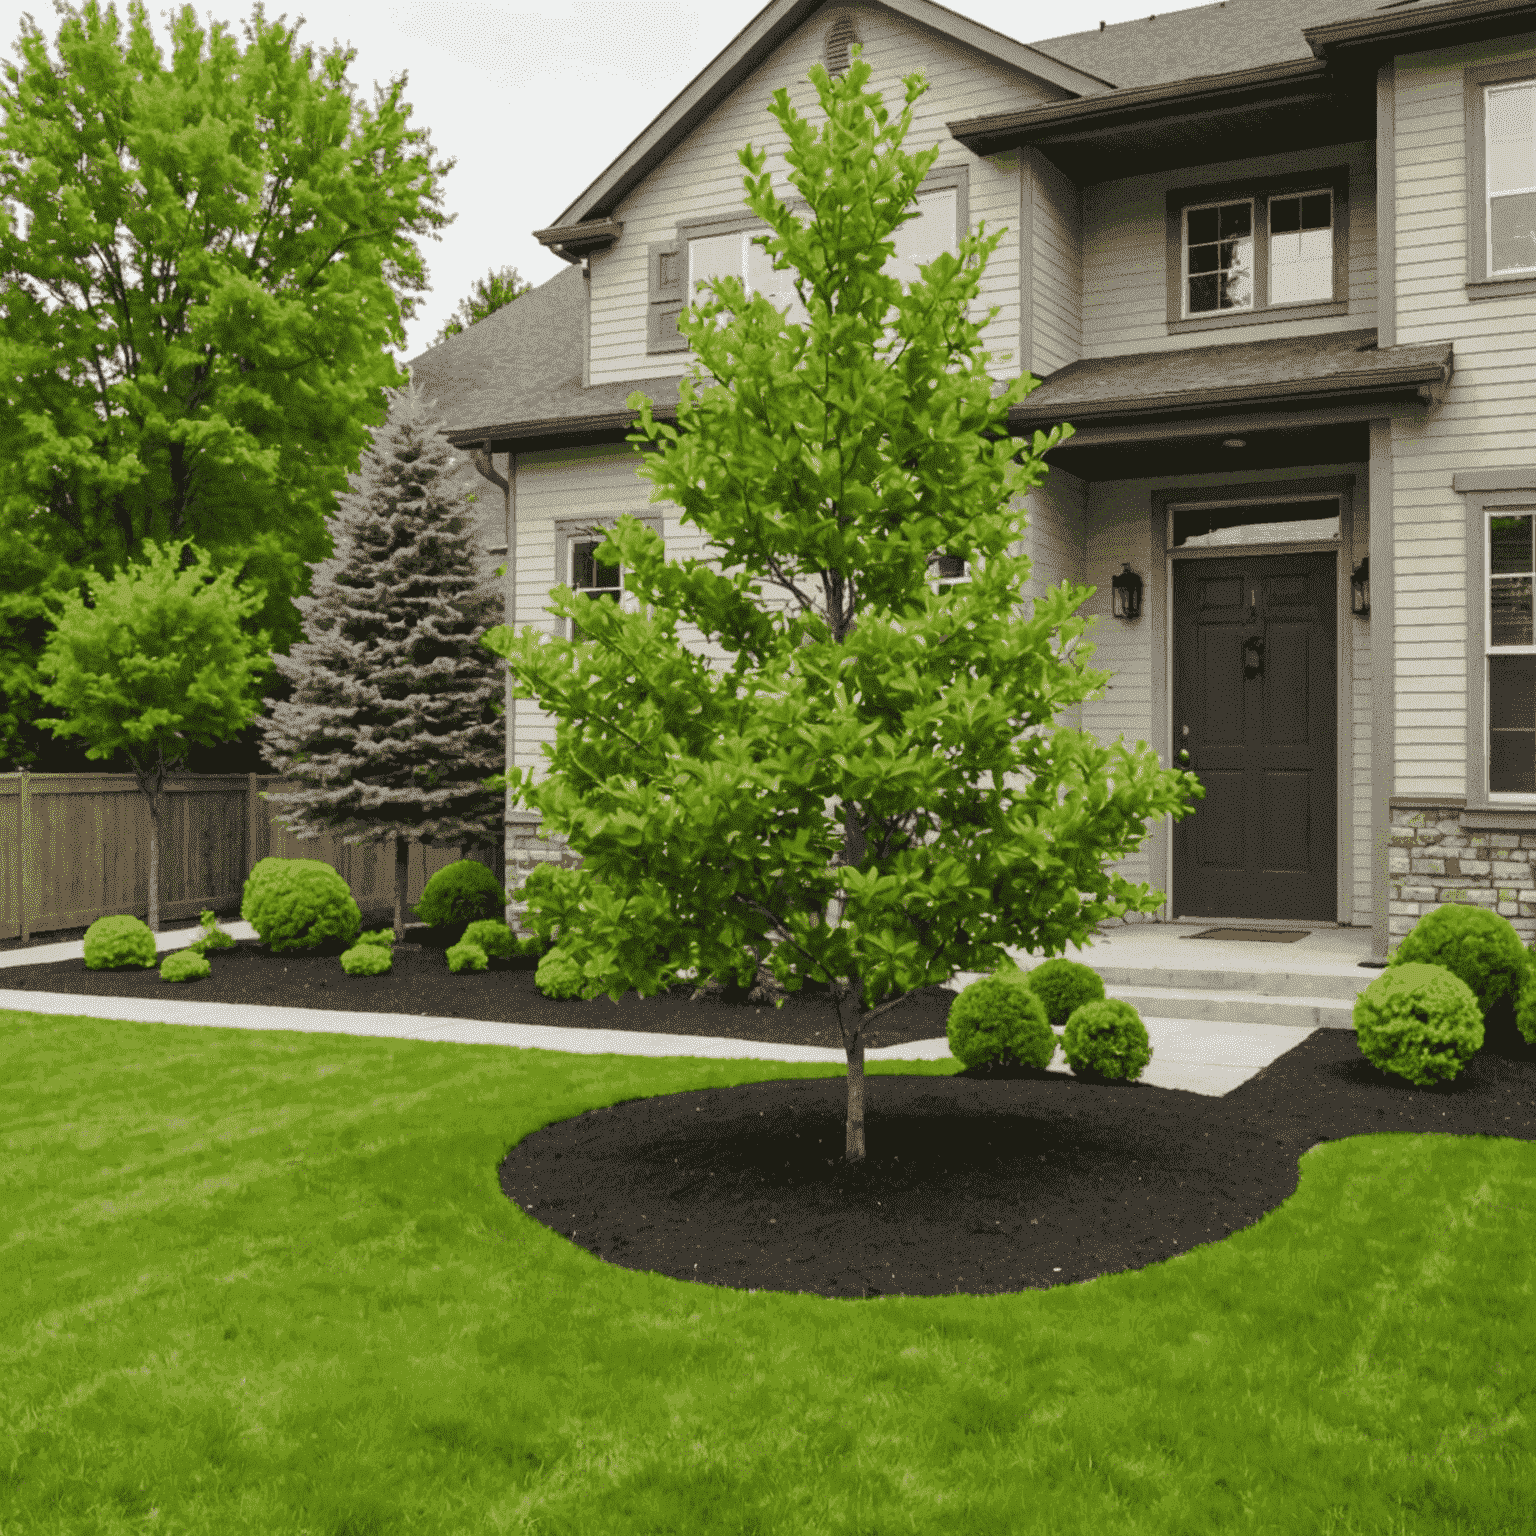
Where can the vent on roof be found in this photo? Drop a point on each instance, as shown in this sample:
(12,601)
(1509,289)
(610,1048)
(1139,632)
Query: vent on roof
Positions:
(841,39)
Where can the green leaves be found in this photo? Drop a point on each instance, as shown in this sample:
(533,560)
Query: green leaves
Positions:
(203,262)
(799,753)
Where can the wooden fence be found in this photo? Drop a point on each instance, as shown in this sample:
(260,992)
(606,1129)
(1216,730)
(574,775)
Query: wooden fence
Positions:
(75,847)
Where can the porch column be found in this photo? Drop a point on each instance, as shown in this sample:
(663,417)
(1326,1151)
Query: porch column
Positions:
(1383,687)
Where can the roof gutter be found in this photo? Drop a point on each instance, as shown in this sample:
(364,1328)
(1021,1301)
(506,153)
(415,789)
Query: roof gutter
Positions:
(553,431)
(1423,27)
(571,242)
(1425,382)
(1009,130)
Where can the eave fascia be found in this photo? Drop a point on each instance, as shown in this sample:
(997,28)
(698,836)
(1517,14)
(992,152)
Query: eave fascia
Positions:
(555,431)
(1414,31)
(771,26)
(1424,384)
(998,131)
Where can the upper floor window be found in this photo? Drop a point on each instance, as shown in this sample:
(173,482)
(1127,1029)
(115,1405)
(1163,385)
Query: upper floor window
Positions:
(1236,254)
(1510,147)
(712,251)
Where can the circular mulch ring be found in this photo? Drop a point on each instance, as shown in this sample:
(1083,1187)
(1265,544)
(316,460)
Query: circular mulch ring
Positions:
(971,1183)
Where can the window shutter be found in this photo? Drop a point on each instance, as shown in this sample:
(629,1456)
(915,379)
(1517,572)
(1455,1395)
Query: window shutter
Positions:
(669,297)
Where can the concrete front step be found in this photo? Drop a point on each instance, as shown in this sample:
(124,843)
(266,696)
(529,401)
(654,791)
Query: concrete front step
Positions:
(1341,983)
(1236,1006)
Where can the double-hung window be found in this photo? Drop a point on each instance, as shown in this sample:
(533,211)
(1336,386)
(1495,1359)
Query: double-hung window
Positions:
(1509,138)
(947,572)
(578,566)
(726,249)
(1268,251)
(1511,653)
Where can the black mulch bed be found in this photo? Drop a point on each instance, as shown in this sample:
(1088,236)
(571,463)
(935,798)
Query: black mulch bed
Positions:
(972,1183)
(980,1182)
(420,983)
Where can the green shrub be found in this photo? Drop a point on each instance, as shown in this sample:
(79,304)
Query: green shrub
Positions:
(1525,1009)
(1106,1039)
(463,892)
(185,965)
(114,941)
(495,938)
(212,936)
(999,1019)
(1420,1021)
(1474,944)
(558,975)
(380,938)
(367,960)
(1063,985)
(532,948)
(466,957)
(299,904)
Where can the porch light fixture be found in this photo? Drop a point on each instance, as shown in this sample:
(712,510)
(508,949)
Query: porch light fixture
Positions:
(1126,597)
(1360,588)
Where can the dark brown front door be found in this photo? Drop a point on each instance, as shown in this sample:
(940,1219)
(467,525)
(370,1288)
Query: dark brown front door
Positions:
(1254,682)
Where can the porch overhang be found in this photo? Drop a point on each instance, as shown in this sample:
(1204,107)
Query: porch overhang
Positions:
(1269,390)
(1289,106)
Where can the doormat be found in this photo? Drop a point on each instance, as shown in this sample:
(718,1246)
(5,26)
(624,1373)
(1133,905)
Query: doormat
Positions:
(1252,935)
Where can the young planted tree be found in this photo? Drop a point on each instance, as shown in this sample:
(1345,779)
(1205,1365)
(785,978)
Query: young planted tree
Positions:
(867,791)
(156,663)
(395,719)
(204,262)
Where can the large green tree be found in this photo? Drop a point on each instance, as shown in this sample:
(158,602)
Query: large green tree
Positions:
(203,263)
(867,789)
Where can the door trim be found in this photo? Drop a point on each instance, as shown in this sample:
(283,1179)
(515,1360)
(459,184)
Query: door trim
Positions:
(1348,912)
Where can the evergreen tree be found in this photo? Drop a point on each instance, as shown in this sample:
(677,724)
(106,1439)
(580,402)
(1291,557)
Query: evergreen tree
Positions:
(395,718)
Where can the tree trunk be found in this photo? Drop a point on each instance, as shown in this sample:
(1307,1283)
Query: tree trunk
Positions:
(402,869)
(855,1142)
(154,864)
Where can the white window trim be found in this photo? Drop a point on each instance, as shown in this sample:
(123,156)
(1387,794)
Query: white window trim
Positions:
(572,531)
(1488,195)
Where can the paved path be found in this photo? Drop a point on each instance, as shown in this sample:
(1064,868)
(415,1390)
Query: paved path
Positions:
(1193,1054)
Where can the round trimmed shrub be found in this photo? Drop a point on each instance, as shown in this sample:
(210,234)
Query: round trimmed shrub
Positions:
(495,938)
(114,941)
(1106,1039)
(1525,1010)
(466,957)
(299,904)
(463,892)
(185,965)
(380,938)
(1420,1021)
(558,975)
(1474,944)
(1000,1020)
(1063,986)
(367,960)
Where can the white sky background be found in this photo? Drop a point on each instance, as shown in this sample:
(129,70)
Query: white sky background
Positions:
(534,102)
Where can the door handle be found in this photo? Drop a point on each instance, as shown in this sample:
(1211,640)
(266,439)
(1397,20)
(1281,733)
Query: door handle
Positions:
(1253,657)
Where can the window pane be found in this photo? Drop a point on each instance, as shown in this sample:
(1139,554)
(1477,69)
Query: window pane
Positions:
(1512,724)
(1268,522)
(714,256)
(1301,267)
(1512,226)
(588,574)
(1237,288)
(1204,226)
(950,569)
(919,240)
(1510,544)
(777,287)
(1236,219)
(1284,215)
(1510,611)
(1203,294)
(1511,139)
(1226,254)
(1204,258)
(1317,210)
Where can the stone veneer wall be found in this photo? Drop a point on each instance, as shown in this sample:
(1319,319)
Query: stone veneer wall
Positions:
(526,849)
(1435,859)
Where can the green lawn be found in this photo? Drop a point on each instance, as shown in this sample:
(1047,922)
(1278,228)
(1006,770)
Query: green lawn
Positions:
(267,1283)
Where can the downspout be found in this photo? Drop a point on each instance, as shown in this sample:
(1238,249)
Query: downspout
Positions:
(481,457)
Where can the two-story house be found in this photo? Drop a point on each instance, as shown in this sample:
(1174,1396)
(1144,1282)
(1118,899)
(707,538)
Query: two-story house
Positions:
(1275,260)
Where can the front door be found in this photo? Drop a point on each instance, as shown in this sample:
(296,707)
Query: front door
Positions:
(1254,681)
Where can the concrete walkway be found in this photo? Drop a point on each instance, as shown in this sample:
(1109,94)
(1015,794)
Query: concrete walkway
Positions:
(1198,1055)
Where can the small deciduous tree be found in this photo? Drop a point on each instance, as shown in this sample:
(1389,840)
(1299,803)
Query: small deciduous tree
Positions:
(156,662)
(867,790)
(395,719)
(492,292)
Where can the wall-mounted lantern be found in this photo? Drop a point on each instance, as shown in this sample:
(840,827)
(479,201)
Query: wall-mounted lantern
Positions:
(1126,596)
(1360,588)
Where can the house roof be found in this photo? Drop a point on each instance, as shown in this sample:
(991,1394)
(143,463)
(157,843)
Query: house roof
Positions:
(770,27)
(1345,366)
(515,377)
